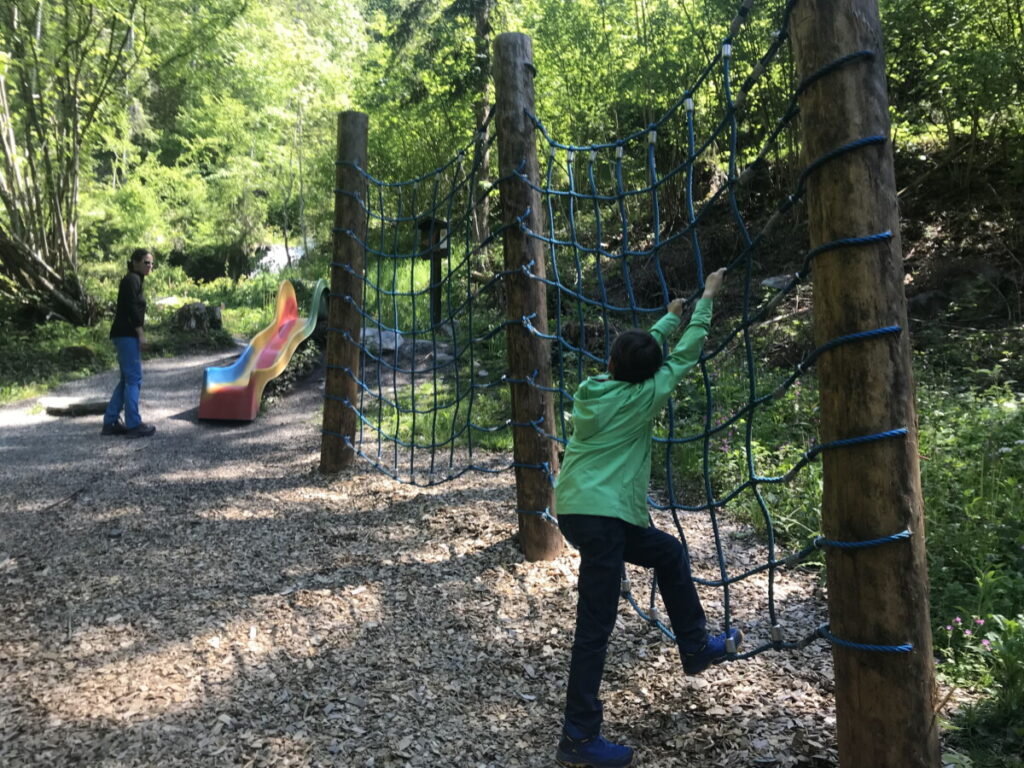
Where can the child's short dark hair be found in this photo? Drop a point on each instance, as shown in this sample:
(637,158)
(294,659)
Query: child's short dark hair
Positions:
(635,356)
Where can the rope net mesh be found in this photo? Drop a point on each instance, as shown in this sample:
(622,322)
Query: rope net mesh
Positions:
(622,235)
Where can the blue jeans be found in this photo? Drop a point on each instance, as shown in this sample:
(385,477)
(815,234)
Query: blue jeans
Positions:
(126,393)
(605,543)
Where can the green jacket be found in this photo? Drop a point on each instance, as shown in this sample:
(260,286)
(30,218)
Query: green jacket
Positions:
(607,465)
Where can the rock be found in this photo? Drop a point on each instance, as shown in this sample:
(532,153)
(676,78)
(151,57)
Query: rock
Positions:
(441,359)
(776,283)
(423,346)
(198,317)
(927,303)
(382,340)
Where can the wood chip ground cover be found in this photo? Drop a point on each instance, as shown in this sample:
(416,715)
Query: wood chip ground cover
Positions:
(206,597)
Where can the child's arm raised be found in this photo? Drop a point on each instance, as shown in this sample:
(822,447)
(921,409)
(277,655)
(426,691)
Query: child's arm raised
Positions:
(686,353)
(668,323)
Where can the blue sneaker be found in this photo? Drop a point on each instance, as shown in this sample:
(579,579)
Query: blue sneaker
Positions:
(713,650)
(595,752)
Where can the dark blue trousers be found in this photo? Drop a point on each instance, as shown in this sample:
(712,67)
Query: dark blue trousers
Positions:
(605,543)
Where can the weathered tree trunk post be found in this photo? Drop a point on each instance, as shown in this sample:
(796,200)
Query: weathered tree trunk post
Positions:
(877,595)
(528,355)
(434,242)
(436,284)
(344,318)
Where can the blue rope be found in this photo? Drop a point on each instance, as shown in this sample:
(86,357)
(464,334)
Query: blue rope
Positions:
(543,514)
(901,648)
(867,141)
(859,440)
(821,541)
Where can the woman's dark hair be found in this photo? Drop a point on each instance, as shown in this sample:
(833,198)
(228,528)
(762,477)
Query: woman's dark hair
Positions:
(138,255)
(635,356)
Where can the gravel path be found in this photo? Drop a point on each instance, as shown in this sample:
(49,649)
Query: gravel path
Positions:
(206,597)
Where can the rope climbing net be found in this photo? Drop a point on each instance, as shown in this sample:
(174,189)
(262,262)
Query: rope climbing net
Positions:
(620,238)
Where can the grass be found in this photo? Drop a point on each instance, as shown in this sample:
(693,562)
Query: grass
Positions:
(433,415)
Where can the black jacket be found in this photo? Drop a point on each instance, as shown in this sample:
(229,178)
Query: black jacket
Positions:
(131,307)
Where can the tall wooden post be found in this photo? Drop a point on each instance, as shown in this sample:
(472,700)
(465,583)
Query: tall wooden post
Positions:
(877,595)
(528,355)
(434,242)
(344,318)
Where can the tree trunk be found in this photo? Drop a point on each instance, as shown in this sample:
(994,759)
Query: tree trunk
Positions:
(346,299)
(877,595)
(529,356)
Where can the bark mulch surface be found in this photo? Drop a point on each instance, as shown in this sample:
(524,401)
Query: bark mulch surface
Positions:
(207,597)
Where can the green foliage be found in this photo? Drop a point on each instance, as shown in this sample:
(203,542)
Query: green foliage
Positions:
(972,447)
(1006,641)
(970,358)
(972,451)
(396,278)
(157,205)
(222,139)
(988,654)
(425,72)
(35,360)
(963,645)
(955,65)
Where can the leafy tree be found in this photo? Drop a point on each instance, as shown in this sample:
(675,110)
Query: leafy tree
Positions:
(425,81)
(253,120)
(61,64)
(67,71)
(956,66)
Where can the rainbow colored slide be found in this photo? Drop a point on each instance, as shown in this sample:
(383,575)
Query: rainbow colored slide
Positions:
(233,392)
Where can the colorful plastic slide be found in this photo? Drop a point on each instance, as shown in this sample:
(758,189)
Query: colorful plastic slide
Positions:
(234,391)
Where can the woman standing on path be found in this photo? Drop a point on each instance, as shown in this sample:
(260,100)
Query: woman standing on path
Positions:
(129,337)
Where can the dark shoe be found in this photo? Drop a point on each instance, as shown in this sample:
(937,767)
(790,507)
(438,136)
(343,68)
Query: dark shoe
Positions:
(714,650)
(143,430)
(595,752)
(117,428)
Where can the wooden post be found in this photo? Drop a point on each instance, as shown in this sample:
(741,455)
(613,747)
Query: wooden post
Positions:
(436,284)
(878,595)
(434,242)
(528,355)
(346,293)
